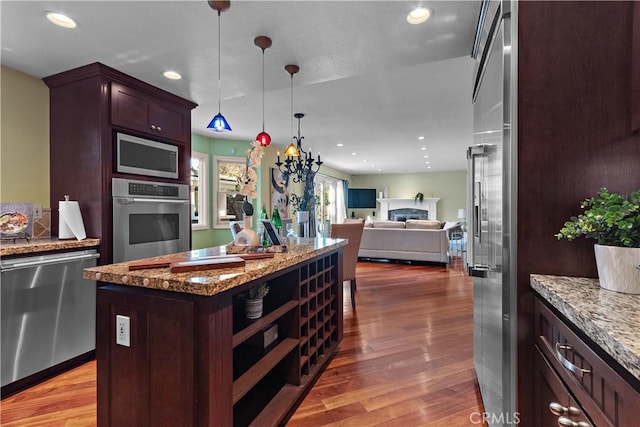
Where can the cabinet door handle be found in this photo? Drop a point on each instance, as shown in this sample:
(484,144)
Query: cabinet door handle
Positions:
(566,422)
(159,129)
(153,127)
(559,410)
(565,362)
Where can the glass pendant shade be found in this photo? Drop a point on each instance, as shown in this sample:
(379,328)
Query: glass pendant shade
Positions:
(219,124)
(292,151)
(264,139)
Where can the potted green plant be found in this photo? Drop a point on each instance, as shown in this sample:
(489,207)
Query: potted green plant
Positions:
(613,220)
(254,300)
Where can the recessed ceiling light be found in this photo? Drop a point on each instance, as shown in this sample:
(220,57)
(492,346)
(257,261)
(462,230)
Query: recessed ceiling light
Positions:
(364,160)
(423,148)
(172,75)
(426,157)
(421,137)
(419,15)
(428,167)
(426,163)
(340,145)
(353,154)
(379,170)
(61,20)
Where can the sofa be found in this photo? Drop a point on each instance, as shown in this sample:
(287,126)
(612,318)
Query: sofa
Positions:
(413,240)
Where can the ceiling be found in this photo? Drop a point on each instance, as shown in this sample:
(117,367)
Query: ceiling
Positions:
(367,80)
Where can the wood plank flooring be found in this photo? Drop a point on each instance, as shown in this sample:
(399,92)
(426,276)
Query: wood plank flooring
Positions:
(405,360)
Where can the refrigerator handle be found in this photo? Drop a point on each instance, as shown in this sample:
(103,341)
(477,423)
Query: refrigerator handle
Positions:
(477,211)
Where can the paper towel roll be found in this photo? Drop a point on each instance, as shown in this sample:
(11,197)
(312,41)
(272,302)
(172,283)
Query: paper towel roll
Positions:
(70,222)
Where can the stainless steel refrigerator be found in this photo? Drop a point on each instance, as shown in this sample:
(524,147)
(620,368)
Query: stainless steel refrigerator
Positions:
(491,203)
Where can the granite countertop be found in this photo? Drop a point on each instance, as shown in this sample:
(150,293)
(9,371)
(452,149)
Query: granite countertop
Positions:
(21,246)
(611,319)
(212,282)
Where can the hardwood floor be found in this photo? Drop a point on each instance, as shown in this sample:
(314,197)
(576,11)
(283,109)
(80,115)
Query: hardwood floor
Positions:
(405,360)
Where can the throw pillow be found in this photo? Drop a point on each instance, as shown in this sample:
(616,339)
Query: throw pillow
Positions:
(388,224)
(423,224)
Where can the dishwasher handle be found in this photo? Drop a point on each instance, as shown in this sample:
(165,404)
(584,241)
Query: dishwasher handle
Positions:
(8,266)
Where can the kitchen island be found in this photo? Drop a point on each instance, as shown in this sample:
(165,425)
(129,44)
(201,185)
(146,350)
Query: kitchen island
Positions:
(193,359)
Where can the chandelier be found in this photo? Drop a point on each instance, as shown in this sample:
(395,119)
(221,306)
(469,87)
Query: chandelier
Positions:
(298,163)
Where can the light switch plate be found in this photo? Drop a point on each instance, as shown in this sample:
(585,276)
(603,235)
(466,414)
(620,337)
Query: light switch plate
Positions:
(37,211)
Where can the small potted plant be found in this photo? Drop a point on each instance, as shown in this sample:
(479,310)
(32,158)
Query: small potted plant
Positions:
(254,300)
(613,220)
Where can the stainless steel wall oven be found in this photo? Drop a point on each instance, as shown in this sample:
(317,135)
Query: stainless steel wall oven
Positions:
(149,219)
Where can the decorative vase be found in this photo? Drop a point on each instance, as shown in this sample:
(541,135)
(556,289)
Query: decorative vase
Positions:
(253,308)
(618,268)
(247,237)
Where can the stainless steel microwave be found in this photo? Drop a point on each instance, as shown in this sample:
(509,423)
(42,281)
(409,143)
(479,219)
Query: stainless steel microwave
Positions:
(146,157)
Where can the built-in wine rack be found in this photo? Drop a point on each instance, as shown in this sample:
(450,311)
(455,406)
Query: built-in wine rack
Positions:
(304,306)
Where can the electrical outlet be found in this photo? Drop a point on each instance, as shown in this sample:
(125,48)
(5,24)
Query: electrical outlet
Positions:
(122,331)
(37,211)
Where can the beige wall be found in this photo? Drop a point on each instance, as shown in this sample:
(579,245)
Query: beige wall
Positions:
(24,138)
(450,187)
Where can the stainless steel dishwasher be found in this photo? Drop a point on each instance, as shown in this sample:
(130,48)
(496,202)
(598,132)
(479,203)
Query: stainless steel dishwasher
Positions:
(48,312)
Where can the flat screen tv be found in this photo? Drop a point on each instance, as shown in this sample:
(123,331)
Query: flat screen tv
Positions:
(361,198)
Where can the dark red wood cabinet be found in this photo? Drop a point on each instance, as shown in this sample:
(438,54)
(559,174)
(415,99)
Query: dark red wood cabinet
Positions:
(138,111)
(635,69)
(88,106)
(597,393)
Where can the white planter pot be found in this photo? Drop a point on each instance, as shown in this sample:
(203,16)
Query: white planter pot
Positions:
(253,308)
(618,268)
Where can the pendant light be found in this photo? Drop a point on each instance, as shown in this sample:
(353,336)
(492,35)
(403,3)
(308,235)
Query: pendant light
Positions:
(292,150)
(263,42)
(219,123)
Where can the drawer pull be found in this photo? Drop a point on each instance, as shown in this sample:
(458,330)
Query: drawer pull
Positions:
(559,410)
(565,362)
(566,422)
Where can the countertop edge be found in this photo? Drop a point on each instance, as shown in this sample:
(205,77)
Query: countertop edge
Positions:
(598,330)
(44,245)
(206,282)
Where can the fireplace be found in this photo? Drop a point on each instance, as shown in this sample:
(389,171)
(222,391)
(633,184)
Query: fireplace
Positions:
(404,214)
(427,209)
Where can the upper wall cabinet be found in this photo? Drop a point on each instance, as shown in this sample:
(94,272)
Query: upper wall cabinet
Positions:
(138,111)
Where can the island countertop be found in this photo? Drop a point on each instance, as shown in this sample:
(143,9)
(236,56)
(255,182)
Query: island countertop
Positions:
(611,319)
(215,281)
(33,246)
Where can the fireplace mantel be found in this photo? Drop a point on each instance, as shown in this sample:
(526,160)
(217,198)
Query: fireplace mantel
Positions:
(428,203)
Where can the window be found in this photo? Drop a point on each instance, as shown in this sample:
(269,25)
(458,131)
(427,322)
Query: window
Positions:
(228,173)
(329,202)
(199,191)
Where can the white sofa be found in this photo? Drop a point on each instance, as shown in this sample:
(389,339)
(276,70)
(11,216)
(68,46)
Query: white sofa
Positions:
(413,240)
